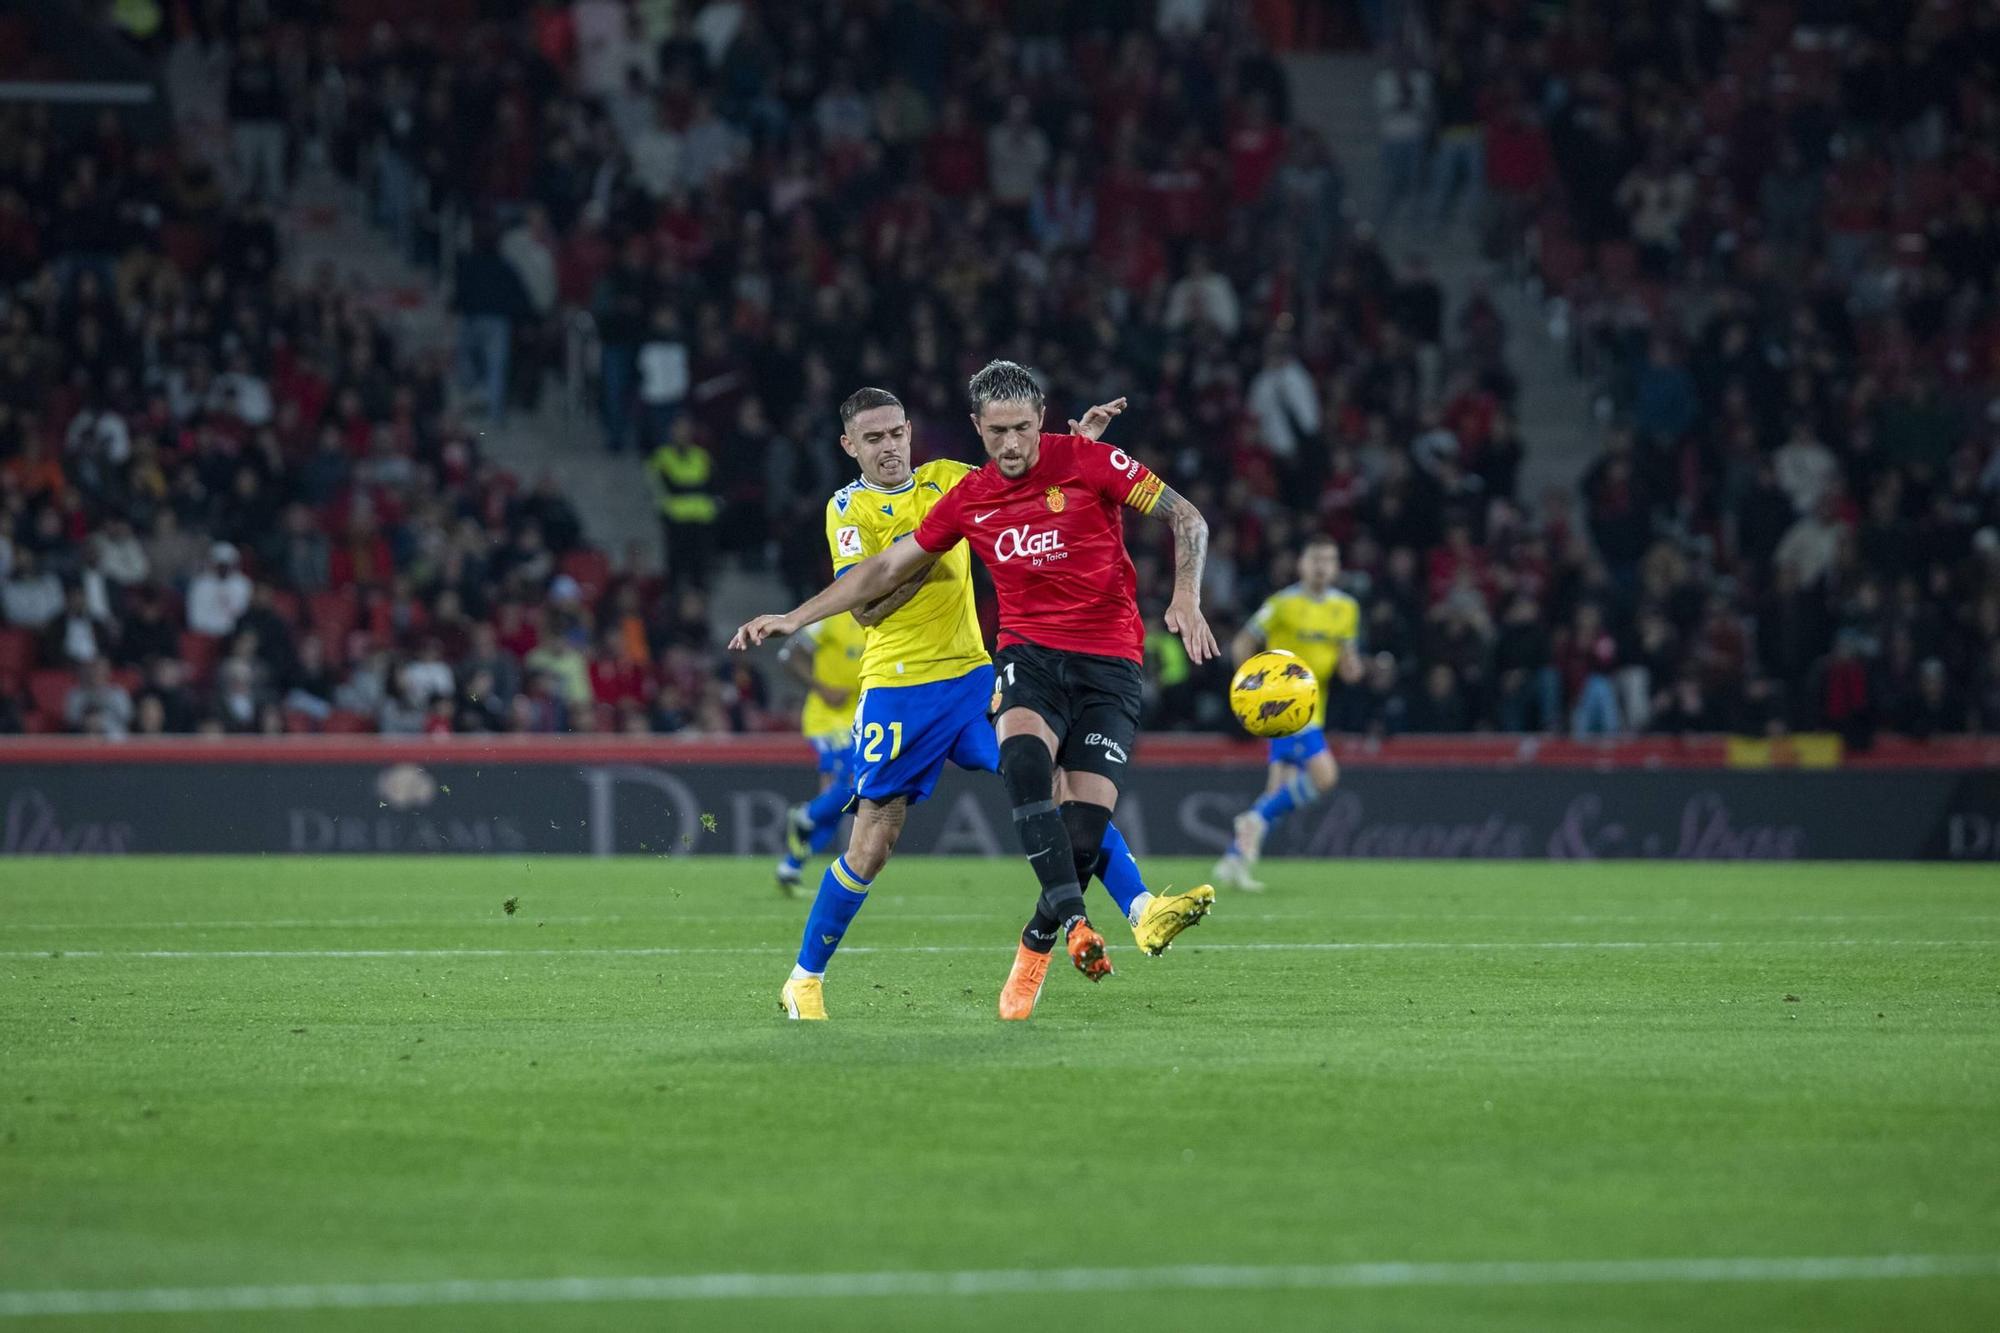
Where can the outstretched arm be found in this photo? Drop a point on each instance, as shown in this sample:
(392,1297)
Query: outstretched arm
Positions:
(879,610)
(1190,555)
(869,581)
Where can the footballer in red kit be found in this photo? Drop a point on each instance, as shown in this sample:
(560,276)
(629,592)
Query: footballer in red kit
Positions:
(1046,516)
(1054,541)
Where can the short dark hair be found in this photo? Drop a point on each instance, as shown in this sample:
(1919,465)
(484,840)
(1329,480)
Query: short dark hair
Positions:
(861,400)
(1003,382)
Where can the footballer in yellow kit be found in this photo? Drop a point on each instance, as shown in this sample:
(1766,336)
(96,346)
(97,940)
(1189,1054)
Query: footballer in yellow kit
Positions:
(827,658)
(1321,624)
(926,690)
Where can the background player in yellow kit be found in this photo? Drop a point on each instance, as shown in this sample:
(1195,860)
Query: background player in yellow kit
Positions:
(827,658)
(1321,624)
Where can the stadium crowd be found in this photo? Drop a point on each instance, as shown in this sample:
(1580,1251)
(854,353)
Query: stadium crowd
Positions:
(232,503)
(753,231)
(235,503)
(1769,235)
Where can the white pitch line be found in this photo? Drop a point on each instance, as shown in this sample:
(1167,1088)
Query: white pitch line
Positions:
(1308,946)
(493,923)
(990,1282)
(776,911)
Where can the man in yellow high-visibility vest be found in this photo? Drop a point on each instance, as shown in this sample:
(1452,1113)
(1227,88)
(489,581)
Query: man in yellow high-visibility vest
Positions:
(682,474)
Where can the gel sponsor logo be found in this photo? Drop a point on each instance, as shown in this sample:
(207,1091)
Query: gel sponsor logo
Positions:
(1013,543)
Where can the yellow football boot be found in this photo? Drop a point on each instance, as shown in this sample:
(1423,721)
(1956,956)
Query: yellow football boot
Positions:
(804,997)
(1169,914)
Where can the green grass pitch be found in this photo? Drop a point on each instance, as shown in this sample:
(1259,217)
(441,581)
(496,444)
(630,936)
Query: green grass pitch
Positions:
(236,1073)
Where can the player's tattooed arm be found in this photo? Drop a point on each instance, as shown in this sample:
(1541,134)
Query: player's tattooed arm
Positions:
(1190,556)
(879,610)
(871,580)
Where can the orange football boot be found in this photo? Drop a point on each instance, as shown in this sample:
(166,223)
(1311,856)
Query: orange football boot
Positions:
(1086,950)
(1024,983)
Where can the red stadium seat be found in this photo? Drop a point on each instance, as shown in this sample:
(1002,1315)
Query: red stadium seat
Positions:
(50,691)
(17,651)
(200,652)
(347,724)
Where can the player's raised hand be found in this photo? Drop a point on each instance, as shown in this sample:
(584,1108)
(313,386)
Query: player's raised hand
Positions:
(754,632)
(1097,420)
(1196,636)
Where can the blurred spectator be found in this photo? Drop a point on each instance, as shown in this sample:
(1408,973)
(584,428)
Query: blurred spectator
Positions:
(83,630)
(1403,116)
(1283,400)
(1438,706)
(663,379)
(32,596)
(219,595)
(1931,708)
(257,117)
(489,299)
(1587,663)
(97,704)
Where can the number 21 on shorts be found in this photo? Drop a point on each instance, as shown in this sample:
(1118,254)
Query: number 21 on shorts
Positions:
(871,741)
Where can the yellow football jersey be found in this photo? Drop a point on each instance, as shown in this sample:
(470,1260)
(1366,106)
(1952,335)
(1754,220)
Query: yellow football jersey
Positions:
(836,643)
(1318,629)
(935,635)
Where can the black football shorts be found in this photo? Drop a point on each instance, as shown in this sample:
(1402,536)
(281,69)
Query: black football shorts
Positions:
(1091,703)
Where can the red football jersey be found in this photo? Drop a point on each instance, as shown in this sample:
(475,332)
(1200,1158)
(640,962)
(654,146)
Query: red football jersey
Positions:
(1054,542)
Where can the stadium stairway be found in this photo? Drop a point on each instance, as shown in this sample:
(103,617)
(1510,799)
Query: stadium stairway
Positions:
(326,223)
(1335,94)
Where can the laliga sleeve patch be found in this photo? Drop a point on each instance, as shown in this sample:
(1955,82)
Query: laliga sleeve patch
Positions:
(847,541)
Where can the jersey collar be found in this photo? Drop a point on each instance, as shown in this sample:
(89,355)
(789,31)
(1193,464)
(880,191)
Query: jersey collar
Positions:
(909,485)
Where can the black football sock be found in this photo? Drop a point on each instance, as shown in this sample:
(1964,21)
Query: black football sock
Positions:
(1046,843)
(1028,769)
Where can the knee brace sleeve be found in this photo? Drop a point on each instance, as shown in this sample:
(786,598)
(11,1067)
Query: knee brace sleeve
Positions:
(1029,771)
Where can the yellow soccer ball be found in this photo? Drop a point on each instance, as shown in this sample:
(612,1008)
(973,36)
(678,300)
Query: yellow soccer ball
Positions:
(1274,694)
